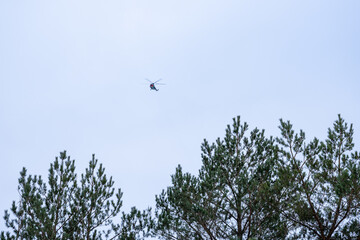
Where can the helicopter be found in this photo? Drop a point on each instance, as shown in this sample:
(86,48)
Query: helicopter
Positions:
(152,84)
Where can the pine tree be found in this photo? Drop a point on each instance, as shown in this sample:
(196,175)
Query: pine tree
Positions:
(319,183)
(230,197)
(67,209)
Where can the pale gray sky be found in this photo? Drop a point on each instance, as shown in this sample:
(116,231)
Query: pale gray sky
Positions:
(72,77)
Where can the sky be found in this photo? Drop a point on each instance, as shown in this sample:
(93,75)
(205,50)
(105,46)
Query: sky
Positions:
(72,77)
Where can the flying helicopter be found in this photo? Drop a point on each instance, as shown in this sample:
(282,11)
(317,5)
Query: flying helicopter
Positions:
(152,84)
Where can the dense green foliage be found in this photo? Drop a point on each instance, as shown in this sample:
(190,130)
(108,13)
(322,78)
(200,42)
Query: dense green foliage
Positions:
(254,187)
(249,187)
(320,183)
(67,209)
(229,199)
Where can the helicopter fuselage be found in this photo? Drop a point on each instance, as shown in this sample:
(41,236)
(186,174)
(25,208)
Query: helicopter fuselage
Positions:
(152,87)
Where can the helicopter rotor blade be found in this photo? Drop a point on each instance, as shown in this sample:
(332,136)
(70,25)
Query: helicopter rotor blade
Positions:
(148,80)
(159,83)
(158,80)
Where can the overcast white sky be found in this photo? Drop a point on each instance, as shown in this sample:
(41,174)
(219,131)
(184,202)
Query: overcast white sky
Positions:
(72,77)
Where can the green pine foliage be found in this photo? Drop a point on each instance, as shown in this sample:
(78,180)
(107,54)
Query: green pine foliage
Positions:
(319,183)
(229,199)
(64,208)
(249,186)
(253,187)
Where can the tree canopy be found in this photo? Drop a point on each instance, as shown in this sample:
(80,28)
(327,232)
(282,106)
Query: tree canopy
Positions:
(255,187)
(65,208)
(320,183)
(250,186)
